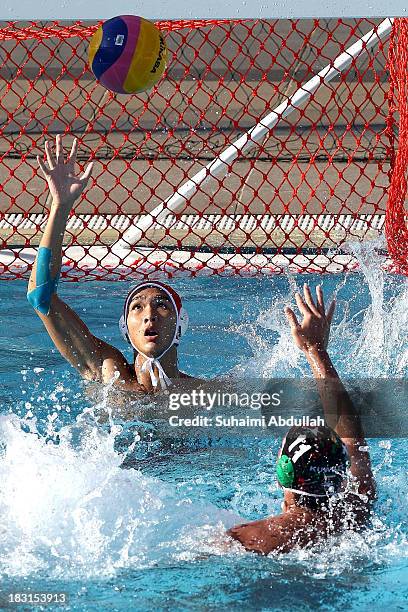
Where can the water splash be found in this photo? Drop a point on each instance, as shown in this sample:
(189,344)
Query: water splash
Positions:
(369,340)
(68,509)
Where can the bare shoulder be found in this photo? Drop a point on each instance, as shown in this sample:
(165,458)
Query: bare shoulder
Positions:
(277,533)
(114,364)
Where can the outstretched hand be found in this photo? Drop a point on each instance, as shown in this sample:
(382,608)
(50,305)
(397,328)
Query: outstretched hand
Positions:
(64,186)
(313,331)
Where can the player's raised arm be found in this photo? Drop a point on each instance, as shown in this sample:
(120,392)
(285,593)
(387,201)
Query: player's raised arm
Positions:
(92,357)
(311,336)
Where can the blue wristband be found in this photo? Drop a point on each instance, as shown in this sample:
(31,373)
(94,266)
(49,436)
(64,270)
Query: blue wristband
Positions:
(40,297)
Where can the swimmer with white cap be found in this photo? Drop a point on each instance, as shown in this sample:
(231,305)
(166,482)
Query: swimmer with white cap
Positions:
(153,322)
(153,319)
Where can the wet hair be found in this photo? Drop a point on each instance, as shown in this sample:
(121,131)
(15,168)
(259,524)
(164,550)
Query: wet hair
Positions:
(312,460)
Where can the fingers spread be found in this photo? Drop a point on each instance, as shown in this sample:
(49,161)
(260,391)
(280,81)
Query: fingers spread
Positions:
(320,299)
(291,317)
(73,154)
(43,167)
(304,309)
(87,173)
(59,150)
(50,155)
(309,300)
(330,312)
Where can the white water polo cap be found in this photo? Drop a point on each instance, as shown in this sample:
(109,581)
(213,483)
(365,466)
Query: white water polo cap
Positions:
(180,330)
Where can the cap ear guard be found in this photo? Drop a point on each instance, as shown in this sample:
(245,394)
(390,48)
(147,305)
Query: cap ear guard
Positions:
(182,322)
(123,329)
(285,471)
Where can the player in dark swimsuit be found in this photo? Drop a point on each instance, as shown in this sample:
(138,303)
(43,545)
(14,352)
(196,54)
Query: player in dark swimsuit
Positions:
(312,463)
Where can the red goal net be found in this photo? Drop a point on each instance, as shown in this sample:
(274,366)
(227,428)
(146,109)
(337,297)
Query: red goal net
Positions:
(267,145)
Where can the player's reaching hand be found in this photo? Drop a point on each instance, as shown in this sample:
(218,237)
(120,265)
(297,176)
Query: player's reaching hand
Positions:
(313,331)
(65,187)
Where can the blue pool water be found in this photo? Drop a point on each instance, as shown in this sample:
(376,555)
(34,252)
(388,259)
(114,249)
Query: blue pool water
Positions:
(151,537)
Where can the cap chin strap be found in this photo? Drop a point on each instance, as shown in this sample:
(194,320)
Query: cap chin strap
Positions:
(148,366)
(151,362)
